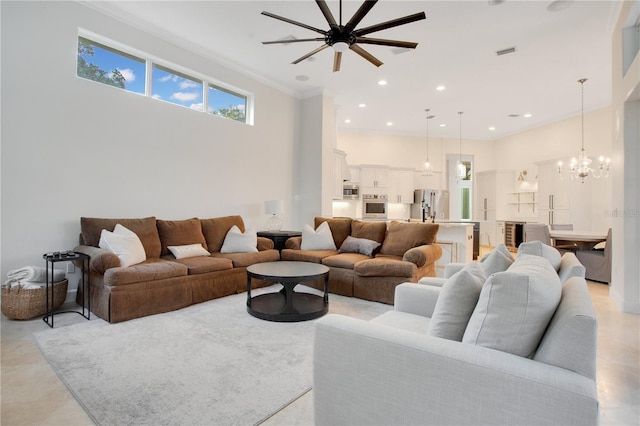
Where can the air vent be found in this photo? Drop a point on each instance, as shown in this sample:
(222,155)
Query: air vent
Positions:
(513,115)
(506,51)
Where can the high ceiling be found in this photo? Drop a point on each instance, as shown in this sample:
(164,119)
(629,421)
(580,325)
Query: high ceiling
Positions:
(556,43)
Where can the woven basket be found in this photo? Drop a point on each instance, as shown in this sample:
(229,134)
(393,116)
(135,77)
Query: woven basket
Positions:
(22,304)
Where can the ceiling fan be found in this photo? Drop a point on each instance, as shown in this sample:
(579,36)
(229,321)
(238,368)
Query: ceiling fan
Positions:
(342,37)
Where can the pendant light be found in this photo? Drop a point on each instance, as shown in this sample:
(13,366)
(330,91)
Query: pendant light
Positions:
(461,170)
(580,167)
(428,171)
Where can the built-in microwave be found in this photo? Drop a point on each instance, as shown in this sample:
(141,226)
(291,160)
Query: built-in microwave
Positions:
(350,191)
(374,206)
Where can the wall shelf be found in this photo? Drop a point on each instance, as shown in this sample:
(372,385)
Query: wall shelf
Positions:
(527,198)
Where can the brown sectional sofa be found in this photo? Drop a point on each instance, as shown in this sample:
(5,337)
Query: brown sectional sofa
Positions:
(407,253)
(163,283)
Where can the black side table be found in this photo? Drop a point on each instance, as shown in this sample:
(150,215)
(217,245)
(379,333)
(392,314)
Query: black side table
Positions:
(279,237)
(50,261)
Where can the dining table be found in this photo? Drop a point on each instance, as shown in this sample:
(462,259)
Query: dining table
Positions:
(584,240)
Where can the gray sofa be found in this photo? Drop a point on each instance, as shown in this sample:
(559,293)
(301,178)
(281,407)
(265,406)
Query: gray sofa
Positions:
(392,370)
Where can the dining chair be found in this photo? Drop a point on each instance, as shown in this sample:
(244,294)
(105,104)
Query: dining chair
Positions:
(597,261)
(540,232)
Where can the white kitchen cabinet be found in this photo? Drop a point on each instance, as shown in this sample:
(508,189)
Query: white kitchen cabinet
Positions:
(338,173)
(355,174)
(401,186)
(374,176)
(554,195)
(493,189)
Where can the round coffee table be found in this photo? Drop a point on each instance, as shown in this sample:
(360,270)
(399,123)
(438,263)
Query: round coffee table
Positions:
(287,305)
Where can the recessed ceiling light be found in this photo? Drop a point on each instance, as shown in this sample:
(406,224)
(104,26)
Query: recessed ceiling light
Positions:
(443,125)
(389,123)
(382,83)
(347,121)
(493,129)
(362,105)
(527,115)
(440,88)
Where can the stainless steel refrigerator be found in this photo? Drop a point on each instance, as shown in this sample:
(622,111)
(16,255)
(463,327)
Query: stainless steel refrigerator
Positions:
(430,205)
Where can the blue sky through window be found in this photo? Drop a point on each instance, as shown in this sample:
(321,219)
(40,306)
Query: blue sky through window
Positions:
(131,68)
(167,84)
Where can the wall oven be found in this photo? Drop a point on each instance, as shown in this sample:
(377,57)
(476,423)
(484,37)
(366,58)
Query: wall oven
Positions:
(374,206)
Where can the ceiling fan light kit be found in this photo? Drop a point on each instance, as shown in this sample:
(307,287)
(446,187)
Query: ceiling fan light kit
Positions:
(346,37)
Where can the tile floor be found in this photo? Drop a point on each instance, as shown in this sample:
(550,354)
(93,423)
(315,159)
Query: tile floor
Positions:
(32,393)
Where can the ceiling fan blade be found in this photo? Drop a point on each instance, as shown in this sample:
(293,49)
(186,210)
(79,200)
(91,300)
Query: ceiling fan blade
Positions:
(337,58)
(385,42)
(313,52)
(327,14)
(368,56)
(293,40)
(360,13)
(390,24)
(289,21)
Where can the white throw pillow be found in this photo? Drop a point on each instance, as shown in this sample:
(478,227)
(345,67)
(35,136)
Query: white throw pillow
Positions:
(456,302)
(189,250)
(320,239)
(538,248)
(497,260)
(237,242)
(125,244)
(515,307)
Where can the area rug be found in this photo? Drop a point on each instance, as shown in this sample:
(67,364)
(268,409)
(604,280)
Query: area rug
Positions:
(207,364)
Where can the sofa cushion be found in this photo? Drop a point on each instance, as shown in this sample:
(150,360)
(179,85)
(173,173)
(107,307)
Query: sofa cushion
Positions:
(318,239)
(314,256)
(515,307)
(242,260)
(381,267)
(344,260)
(145,229)
(456,303)
(402,236)
(538,248)
(189,250)
(237,241)
(215,230)
(150,270)
(340,228)
(203,265)
(124,243)
(497,260)
(179,233)
(370,230)
(359,245)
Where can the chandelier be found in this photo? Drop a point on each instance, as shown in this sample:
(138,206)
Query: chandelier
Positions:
(428,171)
(461,169)
(580,167)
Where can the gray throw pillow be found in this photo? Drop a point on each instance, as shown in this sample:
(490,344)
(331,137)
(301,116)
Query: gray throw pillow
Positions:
(497,260)
(359,245)
(456,303)
(538,248)
(515,307)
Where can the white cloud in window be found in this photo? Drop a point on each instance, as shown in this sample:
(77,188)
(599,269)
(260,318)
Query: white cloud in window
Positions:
(197,106)
(128,75)
(185,96)
(240,107)
(156,96)
(186,84)
(168,77)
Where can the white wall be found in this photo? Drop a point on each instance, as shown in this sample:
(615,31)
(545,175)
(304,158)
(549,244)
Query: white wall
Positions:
(72,147)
